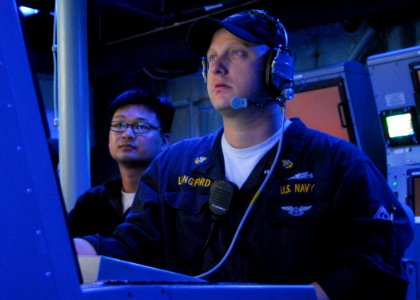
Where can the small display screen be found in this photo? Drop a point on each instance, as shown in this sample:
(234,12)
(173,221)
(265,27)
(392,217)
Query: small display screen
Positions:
(399,125)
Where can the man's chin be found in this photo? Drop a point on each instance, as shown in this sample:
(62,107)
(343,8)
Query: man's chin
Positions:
(134,162)
(222,107)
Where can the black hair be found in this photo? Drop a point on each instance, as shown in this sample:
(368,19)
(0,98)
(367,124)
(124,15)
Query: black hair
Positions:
(161,106)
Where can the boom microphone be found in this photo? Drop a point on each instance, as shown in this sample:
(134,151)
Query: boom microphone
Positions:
(240,103)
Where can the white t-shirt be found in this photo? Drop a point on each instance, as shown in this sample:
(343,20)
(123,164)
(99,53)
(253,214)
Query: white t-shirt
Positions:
(239,163)
(127,200)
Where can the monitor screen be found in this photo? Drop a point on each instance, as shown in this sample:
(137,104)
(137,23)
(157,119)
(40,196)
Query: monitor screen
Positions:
(321,107)
(415,76)
(400,126)
(413,193)
(416,194)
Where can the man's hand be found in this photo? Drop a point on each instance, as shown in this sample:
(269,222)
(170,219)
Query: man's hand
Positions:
(83,247)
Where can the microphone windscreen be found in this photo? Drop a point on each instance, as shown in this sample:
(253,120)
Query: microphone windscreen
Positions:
(238,103)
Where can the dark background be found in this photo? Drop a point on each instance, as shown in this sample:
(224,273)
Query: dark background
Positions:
(134,35)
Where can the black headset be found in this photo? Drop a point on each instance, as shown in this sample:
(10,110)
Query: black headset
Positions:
(280,63)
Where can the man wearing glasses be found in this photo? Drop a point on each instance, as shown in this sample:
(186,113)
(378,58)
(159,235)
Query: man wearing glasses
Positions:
(140,127)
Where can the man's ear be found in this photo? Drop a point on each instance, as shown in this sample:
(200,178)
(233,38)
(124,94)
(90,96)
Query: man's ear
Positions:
(166,139)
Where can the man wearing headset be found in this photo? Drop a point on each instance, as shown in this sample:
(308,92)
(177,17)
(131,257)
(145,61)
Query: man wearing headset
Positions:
(263,200)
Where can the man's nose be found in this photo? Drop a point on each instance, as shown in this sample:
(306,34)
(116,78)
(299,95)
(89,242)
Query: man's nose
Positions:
(129,131)
(219,65)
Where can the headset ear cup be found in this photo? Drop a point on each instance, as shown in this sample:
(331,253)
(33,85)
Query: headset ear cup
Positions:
(281,70)
(268,70)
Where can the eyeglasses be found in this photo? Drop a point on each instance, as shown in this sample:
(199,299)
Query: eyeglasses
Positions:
(137,127)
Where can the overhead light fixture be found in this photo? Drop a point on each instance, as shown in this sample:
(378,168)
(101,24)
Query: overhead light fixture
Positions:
(28,11)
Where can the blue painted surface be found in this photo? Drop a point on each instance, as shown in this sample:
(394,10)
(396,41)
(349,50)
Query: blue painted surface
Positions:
(36,258)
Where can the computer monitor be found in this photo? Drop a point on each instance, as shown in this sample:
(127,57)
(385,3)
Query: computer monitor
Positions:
(413,190)
(415,77)
(323,106)
(339,100)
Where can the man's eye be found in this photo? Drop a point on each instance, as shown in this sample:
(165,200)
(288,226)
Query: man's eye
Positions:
(142,126)
(211,58)
(119,124)
(236,53)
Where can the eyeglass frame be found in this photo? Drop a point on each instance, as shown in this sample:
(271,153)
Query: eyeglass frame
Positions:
(126,125)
